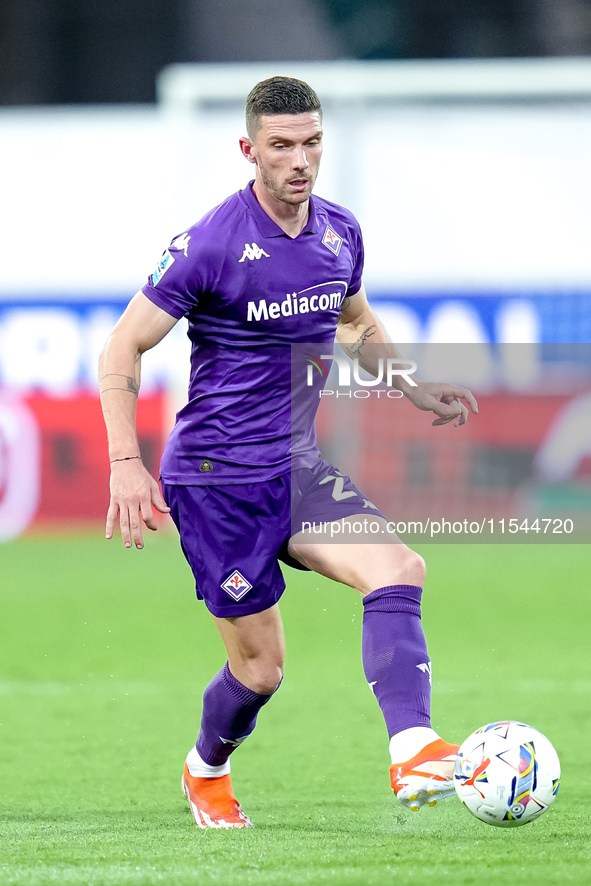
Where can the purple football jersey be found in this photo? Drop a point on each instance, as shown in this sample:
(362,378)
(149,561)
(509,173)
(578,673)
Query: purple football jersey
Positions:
(249,292)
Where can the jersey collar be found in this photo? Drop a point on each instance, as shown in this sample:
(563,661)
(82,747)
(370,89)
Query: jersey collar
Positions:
(265,223)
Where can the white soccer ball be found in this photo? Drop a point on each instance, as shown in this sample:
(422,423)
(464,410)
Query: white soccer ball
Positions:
(507,774)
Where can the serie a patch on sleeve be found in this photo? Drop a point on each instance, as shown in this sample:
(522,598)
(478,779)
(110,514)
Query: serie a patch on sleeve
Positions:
(163,265)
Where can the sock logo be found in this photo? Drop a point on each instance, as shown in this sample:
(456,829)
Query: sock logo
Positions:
(426,669)
(235,742)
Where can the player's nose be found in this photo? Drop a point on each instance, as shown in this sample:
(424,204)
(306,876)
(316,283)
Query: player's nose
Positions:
(300,161)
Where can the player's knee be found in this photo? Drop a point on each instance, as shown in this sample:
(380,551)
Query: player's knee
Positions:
(407,567)
(266,680)
(261,673)
(415,568)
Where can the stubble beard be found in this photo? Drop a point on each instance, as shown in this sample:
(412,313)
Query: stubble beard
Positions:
(279,190)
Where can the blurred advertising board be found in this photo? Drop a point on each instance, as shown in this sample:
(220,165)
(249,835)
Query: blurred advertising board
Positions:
(53,456)
(54,470)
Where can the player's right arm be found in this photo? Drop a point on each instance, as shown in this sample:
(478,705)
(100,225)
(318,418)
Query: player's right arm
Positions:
(133,489)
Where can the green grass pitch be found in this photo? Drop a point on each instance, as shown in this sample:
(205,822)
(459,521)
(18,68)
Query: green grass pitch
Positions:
(103,657)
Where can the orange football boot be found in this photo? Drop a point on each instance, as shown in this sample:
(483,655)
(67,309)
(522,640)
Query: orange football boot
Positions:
(212,802)
(427,777)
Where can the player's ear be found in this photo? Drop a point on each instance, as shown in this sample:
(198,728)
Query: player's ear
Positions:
(247,148)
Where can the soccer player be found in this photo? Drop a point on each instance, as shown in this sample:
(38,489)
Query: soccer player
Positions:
(270,267)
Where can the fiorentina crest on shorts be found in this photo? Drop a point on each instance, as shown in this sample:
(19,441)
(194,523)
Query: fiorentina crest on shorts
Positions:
(236,586)
(332,240)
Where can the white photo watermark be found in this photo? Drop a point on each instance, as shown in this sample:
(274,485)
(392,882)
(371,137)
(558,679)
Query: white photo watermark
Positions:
(385,371)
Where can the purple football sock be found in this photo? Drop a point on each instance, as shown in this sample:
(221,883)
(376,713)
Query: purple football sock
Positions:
(229,716)
(395,657)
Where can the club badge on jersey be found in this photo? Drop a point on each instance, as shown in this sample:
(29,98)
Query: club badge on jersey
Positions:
(332,240)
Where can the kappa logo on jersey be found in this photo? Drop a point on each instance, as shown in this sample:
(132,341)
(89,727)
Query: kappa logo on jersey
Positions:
(236,586)
(163,265)
(332,240)
(252,251)
(181,243)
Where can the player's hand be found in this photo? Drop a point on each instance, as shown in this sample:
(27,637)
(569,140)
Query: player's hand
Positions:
(133,493)
(445,400)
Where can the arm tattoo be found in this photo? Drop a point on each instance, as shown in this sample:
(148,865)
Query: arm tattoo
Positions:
(120,383)
(353,350)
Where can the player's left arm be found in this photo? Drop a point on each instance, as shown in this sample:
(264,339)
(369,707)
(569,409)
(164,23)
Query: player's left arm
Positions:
(359,328)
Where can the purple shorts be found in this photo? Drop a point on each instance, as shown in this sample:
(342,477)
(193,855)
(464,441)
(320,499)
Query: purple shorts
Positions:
(234,536)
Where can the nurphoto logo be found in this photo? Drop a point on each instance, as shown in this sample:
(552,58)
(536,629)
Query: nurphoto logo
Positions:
(386,371)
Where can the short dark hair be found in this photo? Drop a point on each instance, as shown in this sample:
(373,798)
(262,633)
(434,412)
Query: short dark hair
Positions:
(279,95)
